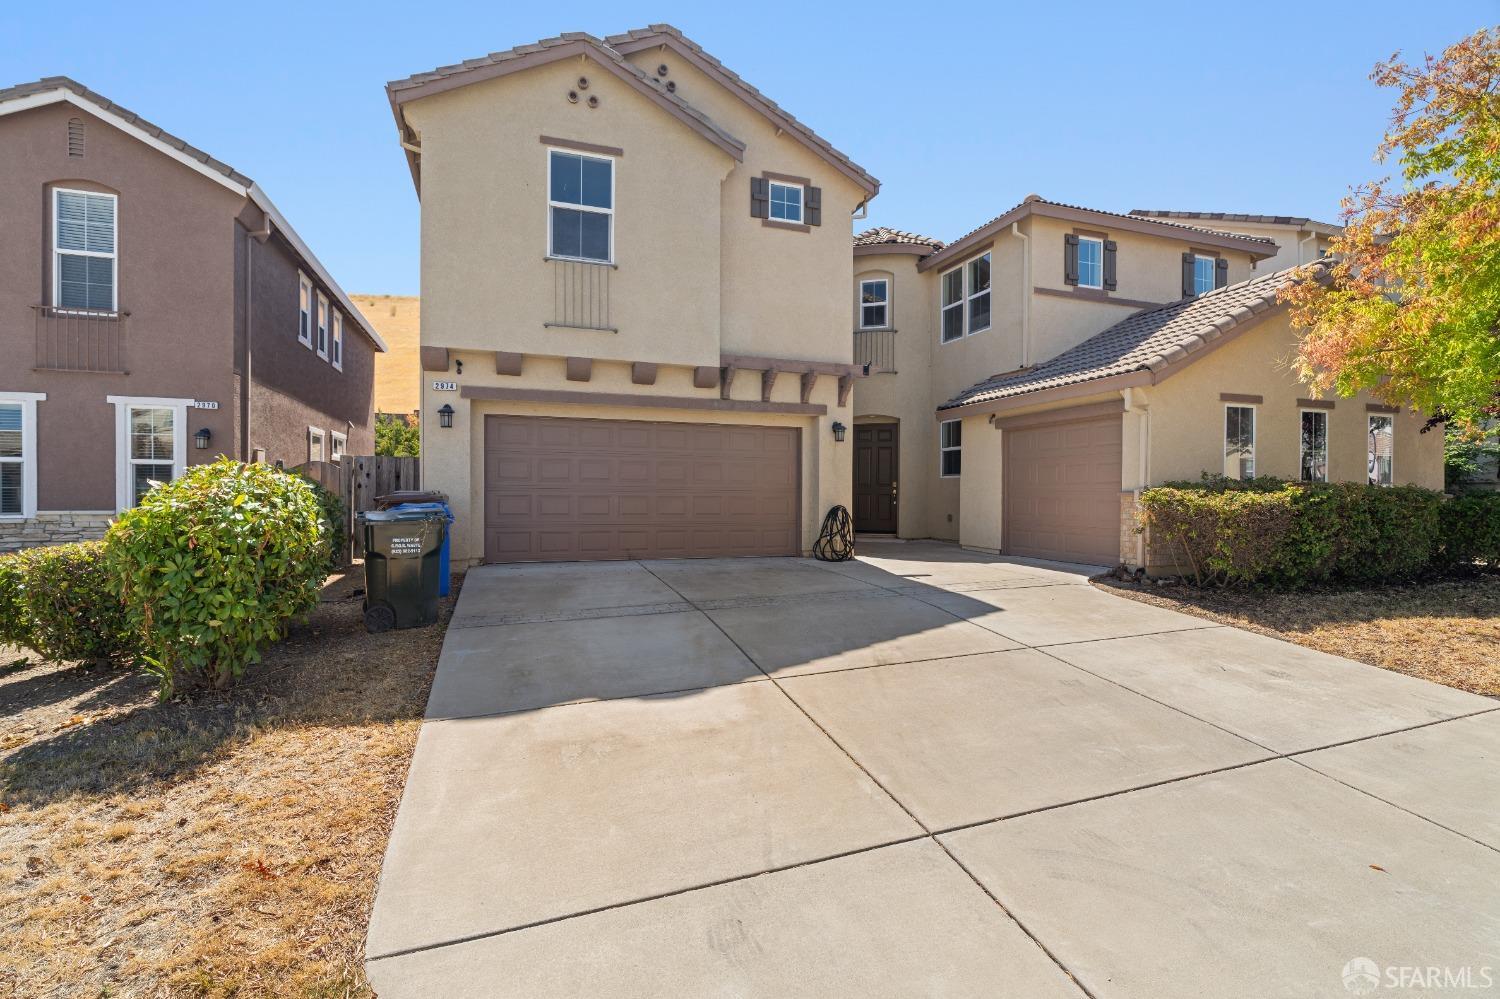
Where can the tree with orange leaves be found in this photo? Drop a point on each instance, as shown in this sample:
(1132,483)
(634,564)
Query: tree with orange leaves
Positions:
(1410,308)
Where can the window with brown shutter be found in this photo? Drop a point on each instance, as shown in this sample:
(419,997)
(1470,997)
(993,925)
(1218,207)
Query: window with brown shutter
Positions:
(1110,281)
(760,198)
(1070,258)
(813,206)
(1187,275)
(1221,273)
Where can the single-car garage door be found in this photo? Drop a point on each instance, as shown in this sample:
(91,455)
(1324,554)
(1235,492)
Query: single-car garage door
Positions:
(563,489)
(1062,491)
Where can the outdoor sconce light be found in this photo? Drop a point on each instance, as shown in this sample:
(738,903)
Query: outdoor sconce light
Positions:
(445,416)
(838,431)
(201,439)
(458,366)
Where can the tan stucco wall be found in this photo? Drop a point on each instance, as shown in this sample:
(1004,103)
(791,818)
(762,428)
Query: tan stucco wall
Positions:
(453,459)
(398,372)
(1187,421)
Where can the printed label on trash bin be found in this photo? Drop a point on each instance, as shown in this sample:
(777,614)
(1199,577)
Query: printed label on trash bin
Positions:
(407,547)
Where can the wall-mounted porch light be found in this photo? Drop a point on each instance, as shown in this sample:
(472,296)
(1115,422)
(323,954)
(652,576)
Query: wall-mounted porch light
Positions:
(445,416)
(201,438)
(838,431)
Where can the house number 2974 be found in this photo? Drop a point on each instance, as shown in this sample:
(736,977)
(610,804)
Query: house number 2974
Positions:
(445,386)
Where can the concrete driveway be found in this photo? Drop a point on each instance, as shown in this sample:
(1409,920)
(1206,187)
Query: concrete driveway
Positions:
(924,773)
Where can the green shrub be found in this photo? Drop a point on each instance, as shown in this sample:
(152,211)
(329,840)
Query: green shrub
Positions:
(1471,530)
(214,564)
(1270,532)
(331,517)
(72,605)
(14,628)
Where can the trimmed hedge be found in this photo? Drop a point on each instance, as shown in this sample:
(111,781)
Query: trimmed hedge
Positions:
(1471,530)
(214,564)
(13,627)
(1269,532)
(72,605)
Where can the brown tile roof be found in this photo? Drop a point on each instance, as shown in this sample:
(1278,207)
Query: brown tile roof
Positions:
(1231,217)
(1147,341)
(1034,199)
(882,235)
(641,37)
(50,83)
(243,184)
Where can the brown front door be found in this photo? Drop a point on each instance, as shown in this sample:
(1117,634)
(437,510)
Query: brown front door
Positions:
(576,489)
(876,470)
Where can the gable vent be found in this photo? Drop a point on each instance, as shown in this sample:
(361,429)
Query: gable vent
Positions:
(75,136)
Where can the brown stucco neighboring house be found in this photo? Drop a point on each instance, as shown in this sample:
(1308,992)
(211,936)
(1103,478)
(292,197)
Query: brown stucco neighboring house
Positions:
(632,336)
(156,311)
(1125,351)
(398,371)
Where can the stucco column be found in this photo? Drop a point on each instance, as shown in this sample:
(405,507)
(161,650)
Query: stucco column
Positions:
(979,487)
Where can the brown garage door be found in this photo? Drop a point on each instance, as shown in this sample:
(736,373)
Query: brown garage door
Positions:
(562,489)
(1062,491)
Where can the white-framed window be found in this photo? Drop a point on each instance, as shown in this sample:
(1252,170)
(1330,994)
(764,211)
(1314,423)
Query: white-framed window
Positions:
(85,264)
(151,444)
(1382,450)
(1239,442)
(1314,446)
(786,201)
(338,444)
(965,304)
(874,303)
(314,444)
(950,448)
(1090,262)
(1203,273)
(18,454)
(322,326)
(338,340)
(304,310)
(580,206)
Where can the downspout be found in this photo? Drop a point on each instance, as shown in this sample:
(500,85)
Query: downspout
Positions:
(252,236)
(1015,230)
(1143,459)
(1312,236)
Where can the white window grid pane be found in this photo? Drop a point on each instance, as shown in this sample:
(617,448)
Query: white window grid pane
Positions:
(578,227)
(1203,274)
(1314,446)
(1239,442)
(786,202)
(10,430)
(12,479)
(1091,263)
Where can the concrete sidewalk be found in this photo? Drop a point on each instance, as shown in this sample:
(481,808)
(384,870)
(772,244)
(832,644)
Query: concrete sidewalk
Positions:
(924,773)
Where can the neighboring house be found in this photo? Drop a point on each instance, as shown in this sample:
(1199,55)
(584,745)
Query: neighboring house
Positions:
(156,311)
(632,337)
(398,371)
(1299,240)
(1126,351)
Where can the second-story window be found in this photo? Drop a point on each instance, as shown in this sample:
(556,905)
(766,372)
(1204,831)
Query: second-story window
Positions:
(338,340)
(874,301)
(322,326)
(84,260)
(786,201)
(966,299)
(1203,273)
(580,206)
(1090,262)
(304,310)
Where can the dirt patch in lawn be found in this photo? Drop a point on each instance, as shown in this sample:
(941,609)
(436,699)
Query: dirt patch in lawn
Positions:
(224,847)
(1446,631)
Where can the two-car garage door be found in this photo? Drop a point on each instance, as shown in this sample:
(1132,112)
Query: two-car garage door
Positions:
(1062,491)
(561,489)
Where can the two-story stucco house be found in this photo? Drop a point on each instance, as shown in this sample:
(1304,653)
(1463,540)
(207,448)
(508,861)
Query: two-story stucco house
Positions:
(1030,378)
(156,310)
(633,337)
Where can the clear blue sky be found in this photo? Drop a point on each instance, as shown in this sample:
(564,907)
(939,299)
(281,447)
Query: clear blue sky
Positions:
(959,109)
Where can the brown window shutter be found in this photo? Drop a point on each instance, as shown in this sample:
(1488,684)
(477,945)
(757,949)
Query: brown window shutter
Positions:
(1221,273)
(1187,275)
(1070,259)
(760,198)
(1109,265)
(812,208)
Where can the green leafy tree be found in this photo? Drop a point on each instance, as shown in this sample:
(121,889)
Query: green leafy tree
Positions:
(1410,308)
(397,437)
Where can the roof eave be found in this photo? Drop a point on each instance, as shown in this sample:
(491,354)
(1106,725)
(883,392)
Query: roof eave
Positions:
(1056,393)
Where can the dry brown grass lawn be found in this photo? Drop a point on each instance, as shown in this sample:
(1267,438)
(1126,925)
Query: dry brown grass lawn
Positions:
(1446,631)
(224,847)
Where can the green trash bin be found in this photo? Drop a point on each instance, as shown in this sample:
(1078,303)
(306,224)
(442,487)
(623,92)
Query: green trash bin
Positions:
(403,567)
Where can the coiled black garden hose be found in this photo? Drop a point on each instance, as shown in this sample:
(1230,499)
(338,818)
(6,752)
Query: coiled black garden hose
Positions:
(836,540)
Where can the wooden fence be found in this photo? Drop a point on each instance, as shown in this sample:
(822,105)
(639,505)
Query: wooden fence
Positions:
(359,479)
